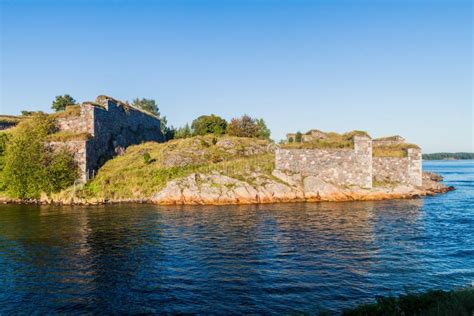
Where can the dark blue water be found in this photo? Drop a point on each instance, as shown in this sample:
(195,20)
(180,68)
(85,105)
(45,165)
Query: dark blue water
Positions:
(239,259)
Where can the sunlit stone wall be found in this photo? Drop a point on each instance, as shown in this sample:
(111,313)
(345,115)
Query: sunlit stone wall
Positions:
(346,167)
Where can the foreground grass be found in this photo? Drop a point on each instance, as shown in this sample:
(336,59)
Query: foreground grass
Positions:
(434,302)
(145,169)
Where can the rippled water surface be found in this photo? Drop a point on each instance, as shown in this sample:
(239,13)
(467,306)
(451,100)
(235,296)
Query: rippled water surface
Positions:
(238,259)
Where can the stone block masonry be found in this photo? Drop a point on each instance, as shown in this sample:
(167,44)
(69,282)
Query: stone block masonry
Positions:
(352,167)
(346,167)
(113,126)
(405,170)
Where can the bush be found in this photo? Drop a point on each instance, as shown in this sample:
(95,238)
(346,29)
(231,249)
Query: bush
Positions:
(147,158)
(298,137)
(29,167)
(3,146)
(209,124)
(248,127)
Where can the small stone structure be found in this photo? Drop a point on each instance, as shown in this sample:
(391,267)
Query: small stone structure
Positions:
(112,126)
(310,135)
(388,141)
(352,167)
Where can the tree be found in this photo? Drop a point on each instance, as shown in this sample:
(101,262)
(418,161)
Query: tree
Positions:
(183,132)
(61,102)
(298,137)
(243,127)
(30,168)
(263,131)
(209,124)
(148,105)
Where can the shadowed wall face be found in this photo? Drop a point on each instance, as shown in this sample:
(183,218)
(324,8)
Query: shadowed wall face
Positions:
(112,128)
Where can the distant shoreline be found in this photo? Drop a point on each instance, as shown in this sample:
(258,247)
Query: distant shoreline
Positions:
(449,156)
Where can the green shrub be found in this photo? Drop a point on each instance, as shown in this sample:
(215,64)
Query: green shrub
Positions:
(29,167)
(147,158)
(298,137)
(209,124)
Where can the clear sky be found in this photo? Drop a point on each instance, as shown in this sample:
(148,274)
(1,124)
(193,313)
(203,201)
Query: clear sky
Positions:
(388,67)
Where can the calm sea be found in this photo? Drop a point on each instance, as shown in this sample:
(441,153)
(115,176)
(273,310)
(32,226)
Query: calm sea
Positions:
(277,259)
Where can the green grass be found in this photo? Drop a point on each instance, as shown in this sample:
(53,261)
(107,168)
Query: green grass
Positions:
(434,302)
(131,176)
(399,150)
(333,141)
(63,136)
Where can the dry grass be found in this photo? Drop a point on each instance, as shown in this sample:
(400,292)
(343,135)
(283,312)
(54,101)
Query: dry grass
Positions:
(70,111)
(333,141)
(9,119)
(132,176)
(399,150)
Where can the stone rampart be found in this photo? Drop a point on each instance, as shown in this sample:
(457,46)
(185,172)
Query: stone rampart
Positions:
(338,166)
(406,170)
(352,166)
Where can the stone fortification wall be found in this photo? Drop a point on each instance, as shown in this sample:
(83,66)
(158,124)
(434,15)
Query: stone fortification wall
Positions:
(406,170)
(83,123)
(113,126)
(338,166)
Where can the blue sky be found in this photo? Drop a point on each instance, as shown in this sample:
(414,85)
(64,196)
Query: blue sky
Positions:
(388,67)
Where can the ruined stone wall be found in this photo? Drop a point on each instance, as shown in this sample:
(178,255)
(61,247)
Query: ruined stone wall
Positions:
(406,170)
(112,127)
(338,166)
(83,123)
(115,128)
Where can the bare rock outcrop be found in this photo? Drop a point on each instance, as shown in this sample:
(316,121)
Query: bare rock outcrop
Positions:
(218,189)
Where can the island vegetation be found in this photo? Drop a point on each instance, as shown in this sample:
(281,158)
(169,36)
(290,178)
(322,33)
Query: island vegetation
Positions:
(449,156)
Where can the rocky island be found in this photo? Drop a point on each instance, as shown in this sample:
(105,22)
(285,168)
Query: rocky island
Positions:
(122,155)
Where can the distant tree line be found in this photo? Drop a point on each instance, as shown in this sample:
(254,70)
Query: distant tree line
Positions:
(445,156)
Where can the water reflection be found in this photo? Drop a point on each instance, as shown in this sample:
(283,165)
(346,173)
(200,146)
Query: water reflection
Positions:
(144,258)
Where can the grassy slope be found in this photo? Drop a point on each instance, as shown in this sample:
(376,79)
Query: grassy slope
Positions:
(129,176)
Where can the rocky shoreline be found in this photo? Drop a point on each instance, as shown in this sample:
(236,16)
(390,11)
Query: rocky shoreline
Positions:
(218,189)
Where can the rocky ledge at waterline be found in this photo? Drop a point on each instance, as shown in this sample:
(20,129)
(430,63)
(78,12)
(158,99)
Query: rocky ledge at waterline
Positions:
(218,189)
